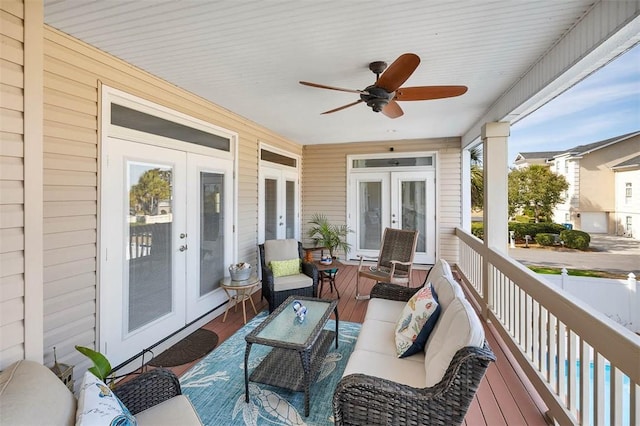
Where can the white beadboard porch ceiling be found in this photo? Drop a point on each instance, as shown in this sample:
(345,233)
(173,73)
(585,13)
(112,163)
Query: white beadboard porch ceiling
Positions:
(248,56)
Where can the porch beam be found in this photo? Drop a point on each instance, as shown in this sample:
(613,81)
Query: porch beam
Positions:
(606,30)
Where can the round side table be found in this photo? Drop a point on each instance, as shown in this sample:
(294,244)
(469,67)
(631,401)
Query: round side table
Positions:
(242,293)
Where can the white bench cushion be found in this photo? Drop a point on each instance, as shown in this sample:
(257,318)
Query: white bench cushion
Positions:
(458,327)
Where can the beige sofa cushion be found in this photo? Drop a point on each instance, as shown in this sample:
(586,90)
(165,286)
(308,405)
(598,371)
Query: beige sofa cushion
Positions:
(384,310)
(440,268)
(457,327)
(175,411)
(379,336)
(30,394)
(447,289)
(280,250)
(389,367)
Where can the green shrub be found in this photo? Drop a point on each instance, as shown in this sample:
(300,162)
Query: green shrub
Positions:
(477,229)
(546,239)
(575,239)
(533,229)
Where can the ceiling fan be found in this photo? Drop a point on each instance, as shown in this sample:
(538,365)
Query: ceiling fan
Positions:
(383,94)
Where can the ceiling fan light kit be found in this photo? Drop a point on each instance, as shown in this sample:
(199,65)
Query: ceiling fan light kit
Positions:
(383,94)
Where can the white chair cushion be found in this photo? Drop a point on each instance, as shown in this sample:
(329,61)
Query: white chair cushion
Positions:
(384,310)
(388,367)
(280,250)
(458,327)
(175,411)
(447,289)
(291,282)
(379,336)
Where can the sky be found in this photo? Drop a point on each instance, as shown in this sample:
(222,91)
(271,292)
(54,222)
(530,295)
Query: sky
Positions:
(603,105)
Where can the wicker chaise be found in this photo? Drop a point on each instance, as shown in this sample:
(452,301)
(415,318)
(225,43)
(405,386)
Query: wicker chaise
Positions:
(369,399)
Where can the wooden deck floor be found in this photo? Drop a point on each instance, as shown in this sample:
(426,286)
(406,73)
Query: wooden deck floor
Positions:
(504,397)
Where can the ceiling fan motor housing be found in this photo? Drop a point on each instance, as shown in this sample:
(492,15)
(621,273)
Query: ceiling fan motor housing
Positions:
(376,98)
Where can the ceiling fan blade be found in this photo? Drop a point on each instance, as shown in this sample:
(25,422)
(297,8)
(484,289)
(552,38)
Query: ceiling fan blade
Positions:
(339,89)
(343,107)
(398,72)
(422,93)
(392,110)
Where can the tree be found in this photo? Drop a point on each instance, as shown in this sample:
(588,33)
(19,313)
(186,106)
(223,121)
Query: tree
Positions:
(153,186)
(477,179)
(536,188)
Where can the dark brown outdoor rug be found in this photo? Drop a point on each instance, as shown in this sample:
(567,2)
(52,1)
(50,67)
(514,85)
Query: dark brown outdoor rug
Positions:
(194,346)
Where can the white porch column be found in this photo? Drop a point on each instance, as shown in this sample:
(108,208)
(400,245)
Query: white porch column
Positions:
(496,169)
(496,211)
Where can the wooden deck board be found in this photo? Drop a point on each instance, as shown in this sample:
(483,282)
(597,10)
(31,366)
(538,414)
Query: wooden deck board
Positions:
(502,399)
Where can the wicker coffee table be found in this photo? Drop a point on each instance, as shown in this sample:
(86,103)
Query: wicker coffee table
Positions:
(298,348)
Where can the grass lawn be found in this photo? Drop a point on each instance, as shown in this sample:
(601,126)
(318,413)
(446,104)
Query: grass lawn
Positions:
(575,272)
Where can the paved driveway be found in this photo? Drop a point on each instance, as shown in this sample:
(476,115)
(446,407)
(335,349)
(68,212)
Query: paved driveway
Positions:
(608,253)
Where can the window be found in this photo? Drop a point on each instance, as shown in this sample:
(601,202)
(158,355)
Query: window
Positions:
(627,226)
(567,217)
(566,167)
(628,192)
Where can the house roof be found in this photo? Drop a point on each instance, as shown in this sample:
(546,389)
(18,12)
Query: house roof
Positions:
(248,57)
(628,164)
(594,146)
(544,155)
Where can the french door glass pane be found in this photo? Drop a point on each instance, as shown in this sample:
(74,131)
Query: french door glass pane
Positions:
(291,208)
(149,244)
(270,209)
(414,207)
(211,231)
(370,223)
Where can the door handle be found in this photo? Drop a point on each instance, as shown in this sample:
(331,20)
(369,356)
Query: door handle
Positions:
(183,248)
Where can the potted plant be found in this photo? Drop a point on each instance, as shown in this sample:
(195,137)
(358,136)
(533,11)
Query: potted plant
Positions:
(325,234)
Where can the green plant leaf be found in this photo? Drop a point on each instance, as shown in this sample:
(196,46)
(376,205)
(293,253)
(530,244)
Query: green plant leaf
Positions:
(101,366)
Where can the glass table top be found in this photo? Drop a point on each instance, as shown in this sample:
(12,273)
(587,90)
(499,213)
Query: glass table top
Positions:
(285,327)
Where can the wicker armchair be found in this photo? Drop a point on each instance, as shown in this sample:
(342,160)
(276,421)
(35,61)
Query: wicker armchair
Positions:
(148,389)
(361,399)
(394,263)
(271,289)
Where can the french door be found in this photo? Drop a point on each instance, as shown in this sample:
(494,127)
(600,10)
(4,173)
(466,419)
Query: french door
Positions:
(402,200)
(168,216)
(279,203)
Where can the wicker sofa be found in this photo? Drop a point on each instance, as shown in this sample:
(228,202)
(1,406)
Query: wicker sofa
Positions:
(30,394)
(433,387)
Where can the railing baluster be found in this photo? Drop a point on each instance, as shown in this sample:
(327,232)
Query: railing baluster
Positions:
(572,371)
(598,389)
(585,397)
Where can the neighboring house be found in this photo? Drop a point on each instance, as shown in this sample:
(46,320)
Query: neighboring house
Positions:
(591,204)
(627,195)
(525,159)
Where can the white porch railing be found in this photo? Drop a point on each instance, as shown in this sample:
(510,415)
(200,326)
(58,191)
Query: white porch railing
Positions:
(585,366)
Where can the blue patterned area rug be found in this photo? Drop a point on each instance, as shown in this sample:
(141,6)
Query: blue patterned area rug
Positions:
(215,385)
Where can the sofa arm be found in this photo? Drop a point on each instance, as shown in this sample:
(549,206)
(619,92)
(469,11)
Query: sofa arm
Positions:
(148,389)
(393,292)
(360,399)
